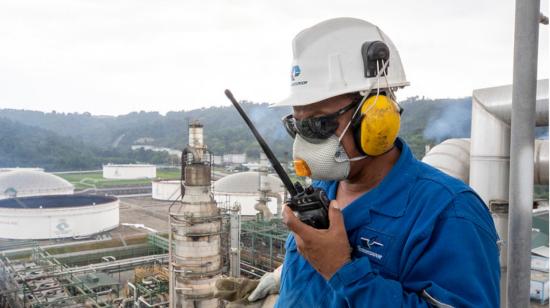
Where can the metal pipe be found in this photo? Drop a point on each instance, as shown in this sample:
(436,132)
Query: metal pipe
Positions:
(524,92)
(134,291)
(490,153)
(489,147)
(171,277)
(498,102)
(143,301)
(541,162)
(279,198)
(452,156)
(235,241)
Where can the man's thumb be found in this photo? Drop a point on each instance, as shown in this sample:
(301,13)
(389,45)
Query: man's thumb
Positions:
(335,215)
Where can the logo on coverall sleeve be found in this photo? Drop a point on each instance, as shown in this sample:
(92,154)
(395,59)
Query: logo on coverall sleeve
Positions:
(369,247)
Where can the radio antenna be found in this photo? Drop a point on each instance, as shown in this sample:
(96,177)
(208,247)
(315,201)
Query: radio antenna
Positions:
(268,153)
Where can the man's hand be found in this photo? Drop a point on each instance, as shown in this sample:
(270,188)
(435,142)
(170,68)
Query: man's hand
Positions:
(325,250)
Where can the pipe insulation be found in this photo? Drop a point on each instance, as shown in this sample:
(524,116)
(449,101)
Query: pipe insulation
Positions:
(490,155)
(452,156)
(491,135)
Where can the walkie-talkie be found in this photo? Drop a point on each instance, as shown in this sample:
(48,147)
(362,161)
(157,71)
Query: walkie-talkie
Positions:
(310,204)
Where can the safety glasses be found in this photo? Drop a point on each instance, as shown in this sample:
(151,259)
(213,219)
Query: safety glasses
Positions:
(316,129)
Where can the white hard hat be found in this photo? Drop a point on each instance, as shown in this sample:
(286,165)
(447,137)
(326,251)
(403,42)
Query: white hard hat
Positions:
(328,60)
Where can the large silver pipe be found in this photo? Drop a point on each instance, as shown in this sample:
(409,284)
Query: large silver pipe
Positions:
(524,96)
(490,138)
(541,162)
(499,102)
(489,148)
(490,155)
(452,156)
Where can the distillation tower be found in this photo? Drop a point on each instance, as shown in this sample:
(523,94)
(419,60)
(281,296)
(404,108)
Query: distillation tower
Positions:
(195,224)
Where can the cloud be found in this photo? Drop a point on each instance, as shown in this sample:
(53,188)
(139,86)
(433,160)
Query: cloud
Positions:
(113,57)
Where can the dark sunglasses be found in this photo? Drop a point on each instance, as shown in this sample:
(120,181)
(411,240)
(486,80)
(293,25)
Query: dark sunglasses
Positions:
(316,128)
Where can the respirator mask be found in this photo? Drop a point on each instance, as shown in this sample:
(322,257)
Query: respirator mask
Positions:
(317,152)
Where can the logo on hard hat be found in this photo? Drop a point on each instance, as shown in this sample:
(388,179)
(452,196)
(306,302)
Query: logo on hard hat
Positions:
(295,72)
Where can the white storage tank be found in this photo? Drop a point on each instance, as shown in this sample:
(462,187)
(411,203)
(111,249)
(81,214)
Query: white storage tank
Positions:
(25,183)
(168,190)
(243,188)
(129,171)
(57,216)
(2,170)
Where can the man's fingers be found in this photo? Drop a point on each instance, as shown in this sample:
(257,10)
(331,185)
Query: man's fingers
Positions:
(295,225)
(335,216)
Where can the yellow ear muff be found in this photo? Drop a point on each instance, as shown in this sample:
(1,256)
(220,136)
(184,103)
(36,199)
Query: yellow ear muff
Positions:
(378,126)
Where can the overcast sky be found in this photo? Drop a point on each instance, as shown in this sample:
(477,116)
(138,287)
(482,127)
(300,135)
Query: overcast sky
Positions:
(113,57)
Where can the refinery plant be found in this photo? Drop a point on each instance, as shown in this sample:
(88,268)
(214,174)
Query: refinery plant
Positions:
(67,249)
(63,247)
(148,234)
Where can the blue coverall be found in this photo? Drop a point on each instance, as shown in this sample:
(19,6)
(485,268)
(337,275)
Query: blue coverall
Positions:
(420,239)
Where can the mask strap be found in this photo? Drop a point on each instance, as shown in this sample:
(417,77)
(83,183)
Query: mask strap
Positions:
(365,95)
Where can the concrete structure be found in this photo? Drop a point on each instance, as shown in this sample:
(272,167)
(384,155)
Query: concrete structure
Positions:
(244,187)
(168,190)
(217,159)
(57,216)
(129,171)
(234,158)
(2,170)
(153,148)
(24,183)
(195,237)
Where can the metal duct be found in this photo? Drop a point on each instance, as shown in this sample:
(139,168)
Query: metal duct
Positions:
(490,153)
(498,101)
(452,156)
(541,161)
(490,139)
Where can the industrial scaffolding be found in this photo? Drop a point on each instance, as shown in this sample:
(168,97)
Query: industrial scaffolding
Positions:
(39,279)
(261,243)
(262,246)
(150,287)
(42,281)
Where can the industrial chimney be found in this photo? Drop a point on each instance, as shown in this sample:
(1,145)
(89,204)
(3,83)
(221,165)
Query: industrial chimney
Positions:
(195,227)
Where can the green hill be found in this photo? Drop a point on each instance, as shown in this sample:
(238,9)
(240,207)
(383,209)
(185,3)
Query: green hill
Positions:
(61,141)
(27,146)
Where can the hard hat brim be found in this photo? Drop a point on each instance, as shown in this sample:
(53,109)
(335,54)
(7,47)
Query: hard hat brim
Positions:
(308,98)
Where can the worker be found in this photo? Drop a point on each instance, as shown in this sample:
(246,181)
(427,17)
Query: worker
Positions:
(401,234)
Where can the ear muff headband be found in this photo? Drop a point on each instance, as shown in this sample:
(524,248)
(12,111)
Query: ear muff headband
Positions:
(377,125)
